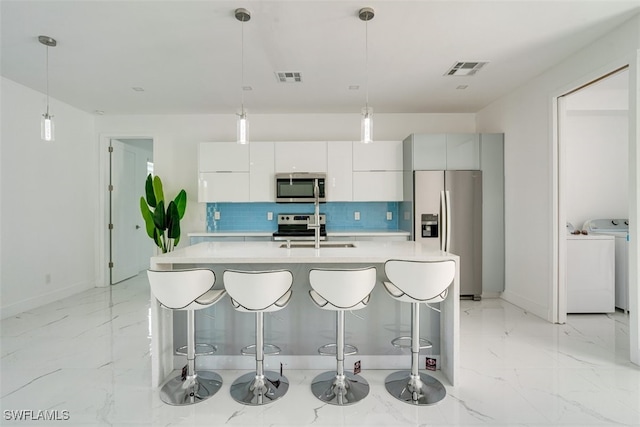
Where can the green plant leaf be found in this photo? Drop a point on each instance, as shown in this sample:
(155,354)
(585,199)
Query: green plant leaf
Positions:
(157,189)
(159,217)
(173,221)
(148,190)
(181,203)
(148,217)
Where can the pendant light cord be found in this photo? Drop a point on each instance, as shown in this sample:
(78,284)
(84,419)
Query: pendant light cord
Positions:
(242,67)
(366,62)
(47,63)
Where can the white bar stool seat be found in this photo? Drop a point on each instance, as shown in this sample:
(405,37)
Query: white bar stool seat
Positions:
(417,282)
(187,290)
(340,290)
(259,292)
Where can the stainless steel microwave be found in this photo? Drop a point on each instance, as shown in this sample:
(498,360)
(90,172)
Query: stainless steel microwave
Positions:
(298,187)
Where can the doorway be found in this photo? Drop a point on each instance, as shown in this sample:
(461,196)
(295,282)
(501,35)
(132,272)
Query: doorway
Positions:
(130,161)
(593,165)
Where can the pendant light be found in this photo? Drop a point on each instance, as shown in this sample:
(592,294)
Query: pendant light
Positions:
(46,123)
(366,14)
(242,15)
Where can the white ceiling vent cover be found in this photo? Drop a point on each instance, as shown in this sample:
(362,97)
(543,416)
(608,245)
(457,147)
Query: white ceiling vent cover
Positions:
(289,76)
(467,68)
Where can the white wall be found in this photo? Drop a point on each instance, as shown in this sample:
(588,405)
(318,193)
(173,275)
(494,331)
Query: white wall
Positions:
(596,165)
(48,210)
(527,118)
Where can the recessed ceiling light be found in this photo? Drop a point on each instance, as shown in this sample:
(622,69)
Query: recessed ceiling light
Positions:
(98,112)
(465,68)
(462,87)
(354,87)
(138,89)
(247,88)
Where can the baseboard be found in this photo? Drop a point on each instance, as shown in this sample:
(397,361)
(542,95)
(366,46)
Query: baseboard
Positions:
(526,304)
(42,299)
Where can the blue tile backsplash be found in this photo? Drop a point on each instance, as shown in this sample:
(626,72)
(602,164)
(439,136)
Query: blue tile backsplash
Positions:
(340,215)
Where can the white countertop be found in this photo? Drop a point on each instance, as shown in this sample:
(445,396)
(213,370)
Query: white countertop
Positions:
(272,252)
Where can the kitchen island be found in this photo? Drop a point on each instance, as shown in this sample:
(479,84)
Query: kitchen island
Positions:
(301,327)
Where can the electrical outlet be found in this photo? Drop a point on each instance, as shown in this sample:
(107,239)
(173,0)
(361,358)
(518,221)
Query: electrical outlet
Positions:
(407,216)
(216,215)
(389,216)
(47,278)
(356,216)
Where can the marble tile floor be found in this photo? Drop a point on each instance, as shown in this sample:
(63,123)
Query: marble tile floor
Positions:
(86,360)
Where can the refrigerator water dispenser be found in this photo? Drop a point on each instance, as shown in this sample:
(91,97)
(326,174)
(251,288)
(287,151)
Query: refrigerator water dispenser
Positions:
(429,225)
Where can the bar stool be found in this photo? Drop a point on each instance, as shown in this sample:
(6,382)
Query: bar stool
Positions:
(416,282)
(259,292)
(187,290)
(340,290)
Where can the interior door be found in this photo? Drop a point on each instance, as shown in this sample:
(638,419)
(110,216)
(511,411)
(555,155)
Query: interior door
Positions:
(126,219)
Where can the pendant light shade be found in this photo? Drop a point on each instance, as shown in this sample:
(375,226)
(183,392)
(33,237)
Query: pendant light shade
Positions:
(243,128)
(366,128)
(47,131)
(242,15)
(366,14)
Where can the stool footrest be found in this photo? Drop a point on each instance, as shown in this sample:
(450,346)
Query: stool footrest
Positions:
(332,350)
(250,350)
(405,342)
(201,350)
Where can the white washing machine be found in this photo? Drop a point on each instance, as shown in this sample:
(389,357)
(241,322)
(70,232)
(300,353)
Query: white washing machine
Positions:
(590,273)
(619,228)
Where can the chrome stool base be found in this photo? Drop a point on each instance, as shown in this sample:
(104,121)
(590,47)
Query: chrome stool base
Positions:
(330,388)
(252,389)
(179,392)
(417,390)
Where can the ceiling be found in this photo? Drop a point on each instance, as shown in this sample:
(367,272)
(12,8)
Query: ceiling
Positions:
(186,55)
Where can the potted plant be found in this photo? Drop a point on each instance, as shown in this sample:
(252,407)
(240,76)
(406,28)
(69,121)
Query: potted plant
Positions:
(162,224)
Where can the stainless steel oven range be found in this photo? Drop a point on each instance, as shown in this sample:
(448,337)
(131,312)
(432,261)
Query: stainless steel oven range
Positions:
(293,226)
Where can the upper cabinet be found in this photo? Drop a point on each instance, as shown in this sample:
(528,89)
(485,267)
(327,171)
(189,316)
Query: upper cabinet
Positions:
(339,184)
(377,156)
(223,157)
(456,151)
(261,172)
(301,156)
(463,151)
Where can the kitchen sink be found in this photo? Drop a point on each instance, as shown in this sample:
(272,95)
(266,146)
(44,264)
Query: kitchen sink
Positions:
(322,245)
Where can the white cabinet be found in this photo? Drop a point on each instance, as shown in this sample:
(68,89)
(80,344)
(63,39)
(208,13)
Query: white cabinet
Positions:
(377,156)
(377,171)
(223,157)
(308,156)
(463,151)
(223,187)
(339,184)
(456,151)
(261,172)
(429,152)
(377,186)
(223,172)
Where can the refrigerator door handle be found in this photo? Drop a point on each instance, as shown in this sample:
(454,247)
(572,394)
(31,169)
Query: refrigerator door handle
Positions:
(447,199)
(443,221)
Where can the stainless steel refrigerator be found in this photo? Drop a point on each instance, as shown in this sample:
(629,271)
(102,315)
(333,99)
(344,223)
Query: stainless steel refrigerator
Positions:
(447,215)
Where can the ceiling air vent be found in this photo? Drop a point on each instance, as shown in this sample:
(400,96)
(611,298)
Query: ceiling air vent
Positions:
(289,76)
(468,68)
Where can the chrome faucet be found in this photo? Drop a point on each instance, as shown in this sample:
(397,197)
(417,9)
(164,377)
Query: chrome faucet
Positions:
(316,224)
